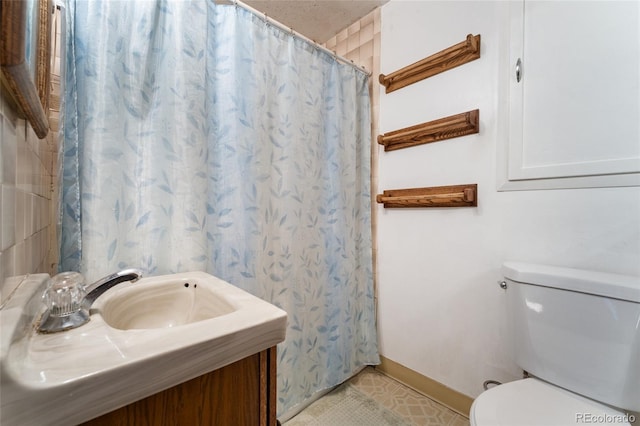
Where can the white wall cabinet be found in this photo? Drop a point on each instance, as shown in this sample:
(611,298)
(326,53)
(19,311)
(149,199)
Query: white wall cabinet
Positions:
(574,95)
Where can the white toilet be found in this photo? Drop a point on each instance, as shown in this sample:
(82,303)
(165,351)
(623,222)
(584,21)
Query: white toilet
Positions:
(577,334)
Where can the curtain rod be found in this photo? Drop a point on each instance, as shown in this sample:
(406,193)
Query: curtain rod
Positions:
(293,33)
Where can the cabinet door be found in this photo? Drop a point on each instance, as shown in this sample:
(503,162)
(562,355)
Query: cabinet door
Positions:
(574,94)
(240,394)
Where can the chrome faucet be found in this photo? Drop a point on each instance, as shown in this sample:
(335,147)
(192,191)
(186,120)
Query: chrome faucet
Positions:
(96,289)
(69,301)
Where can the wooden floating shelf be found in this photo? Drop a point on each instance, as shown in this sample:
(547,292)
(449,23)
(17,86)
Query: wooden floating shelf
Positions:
(435,196)
(450,127)
(456,55)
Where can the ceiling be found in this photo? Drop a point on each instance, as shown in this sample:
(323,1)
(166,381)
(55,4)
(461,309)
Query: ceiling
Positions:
(318,20)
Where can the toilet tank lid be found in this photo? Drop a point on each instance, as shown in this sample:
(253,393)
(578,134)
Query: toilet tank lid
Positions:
(617,286)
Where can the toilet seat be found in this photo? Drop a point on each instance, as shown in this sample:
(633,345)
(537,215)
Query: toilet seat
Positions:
(532,402)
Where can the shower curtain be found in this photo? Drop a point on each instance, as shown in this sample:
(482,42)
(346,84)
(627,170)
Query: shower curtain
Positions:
(199,137)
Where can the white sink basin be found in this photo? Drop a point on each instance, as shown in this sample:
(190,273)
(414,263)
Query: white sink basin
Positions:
(135,345)
(169,303)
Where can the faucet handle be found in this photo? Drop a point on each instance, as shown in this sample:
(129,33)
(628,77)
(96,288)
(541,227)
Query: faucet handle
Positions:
(65,293)
(64,299)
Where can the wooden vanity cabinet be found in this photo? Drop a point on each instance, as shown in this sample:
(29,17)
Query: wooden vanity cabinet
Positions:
(240,394)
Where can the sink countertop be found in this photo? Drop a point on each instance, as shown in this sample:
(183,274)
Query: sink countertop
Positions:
(76,375)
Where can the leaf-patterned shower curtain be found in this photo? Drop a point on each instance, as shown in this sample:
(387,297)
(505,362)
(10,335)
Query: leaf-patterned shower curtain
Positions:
(199,137)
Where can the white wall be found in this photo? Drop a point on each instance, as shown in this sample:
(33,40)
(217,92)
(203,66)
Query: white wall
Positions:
(441,311)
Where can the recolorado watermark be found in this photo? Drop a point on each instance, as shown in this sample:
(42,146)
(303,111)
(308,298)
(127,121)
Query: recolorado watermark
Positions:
(589,418)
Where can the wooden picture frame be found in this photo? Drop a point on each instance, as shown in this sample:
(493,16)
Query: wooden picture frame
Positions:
(28,90)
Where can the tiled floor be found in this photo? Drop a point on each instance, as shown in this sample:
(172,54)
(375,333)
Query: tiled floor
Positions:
(413,407)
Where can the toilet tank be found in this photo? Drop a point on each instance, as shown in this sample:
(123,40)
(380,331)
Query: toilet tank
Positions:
(577,329)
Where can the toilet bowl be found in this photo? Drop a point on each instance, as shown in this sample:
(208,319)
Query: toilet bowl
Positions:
(577,333)
(532,402)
